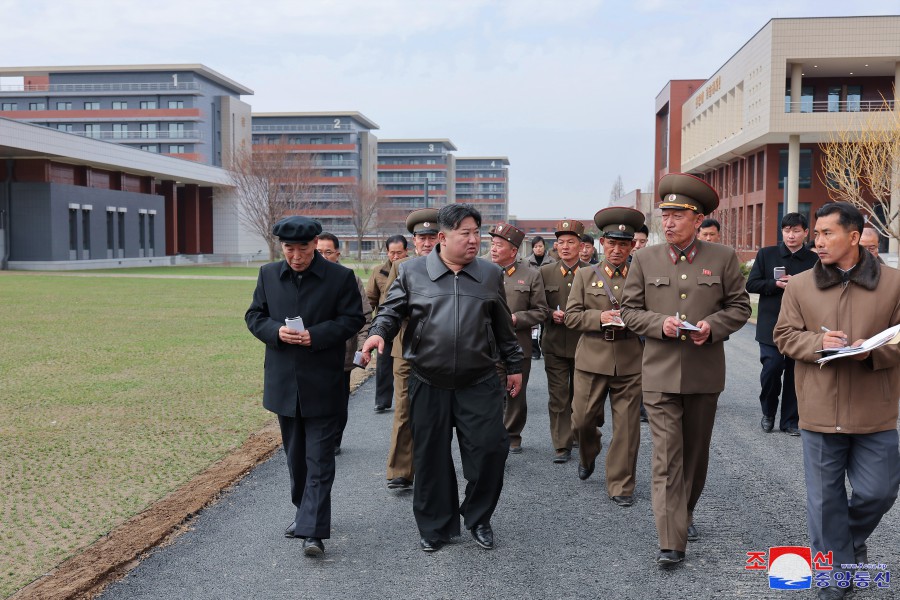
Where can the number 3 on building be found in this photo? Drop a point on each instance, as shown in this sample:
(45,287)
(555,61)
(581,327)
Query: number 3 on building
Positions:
(431,147)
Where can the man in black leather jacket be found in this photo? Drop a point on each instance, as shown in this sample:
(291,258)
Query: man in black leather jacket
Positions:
(459,328)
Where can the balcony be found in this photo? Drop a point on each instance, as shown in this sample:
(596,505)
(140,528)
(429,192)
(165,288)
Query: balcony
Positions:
(298,127)
(332,164)
(845,106)
(138,136)
(412,179)
(438,151)
(76,89)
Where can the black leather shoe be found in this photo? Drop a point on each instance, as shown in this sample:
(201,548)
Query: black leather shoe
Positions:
(313,547)
(430,545)
(399,483)
(667,558)
(623,501)
(692,533)
(484,536)
(562,456)
(585,472)
(861,555)
(830,593)
(379,409)
(644,418)
(289,532)
(515,449)
(792,431)
(767,423)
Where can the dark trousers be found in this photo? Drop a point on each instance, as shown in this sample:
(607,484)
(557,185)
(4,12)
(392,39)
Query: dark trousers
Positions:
(872,464)
(345,409)
(536,345)
(309,446)
(774,364)
(477,414)
(384,377)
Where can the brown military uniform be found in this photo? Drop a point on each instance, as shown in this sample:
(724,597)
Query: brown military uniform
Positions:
(558,345)
(525,297)
(681,380)
(377,284)
(607,360)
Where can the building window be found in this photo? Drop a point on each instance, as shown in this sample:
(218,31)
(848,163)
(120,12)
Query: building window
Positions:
(760,170)
(9,106)
(91,106)
(150,148)
(110,233)
(148,104)
(805,168)
(176,103)
(37,106)
(151,234)
(92,130)
(120,105)
(73,233)
(120,130)
(141,235)
(85,234)
(337,140)
(176,130)
(67,127)
(337,173)
(854,96)
(806,98)
(121,235)
(148,130)
(834,98)
(751,172)
(63,106)
(176,149)
(315,140)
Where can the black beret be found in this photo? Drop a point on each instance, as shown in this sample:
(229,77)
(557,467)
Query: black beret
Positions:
(296,229)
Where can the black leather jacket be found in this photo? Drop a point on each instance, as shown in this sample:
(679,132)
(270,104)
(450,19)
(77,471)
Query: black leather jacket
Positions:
(459,324)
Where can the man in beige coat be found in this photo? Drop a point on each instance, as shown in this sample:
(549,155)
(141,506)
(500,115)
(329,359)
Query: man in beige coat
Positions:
(525,297)
(422,224)
(559,342)
(686,297)
(848,407)
(608,357)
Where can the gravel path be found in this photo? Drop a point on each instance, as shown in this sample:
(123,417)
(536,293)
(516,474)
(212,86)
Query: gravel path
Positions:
(557,537)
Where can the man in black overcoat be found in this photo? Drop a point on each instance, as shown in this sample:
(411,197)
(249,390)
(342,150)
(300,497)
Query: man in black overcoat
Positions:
(304,369)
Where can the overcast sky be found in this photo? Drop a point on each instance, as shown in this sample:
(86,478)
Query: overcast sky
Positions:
(564,88)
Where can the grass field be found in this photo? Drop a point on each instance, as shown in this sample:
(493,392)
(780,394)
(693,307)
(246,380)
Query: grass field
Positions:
(113,392)
(361,269)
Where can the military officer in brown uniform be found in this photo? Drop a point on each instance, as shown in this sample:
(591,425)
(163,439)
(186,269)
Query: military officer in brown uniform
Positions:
(670,286)
(608,357)
(559,342)
(422,224)
(525,297)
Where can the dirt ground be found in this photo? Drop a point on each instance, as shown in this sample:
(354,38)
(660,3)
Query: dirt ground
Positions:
(86,574)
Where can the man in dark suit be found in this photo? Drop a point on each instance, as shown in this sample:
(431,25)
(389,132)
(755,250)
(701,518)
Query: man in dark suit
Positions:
(789,258)
(304,366)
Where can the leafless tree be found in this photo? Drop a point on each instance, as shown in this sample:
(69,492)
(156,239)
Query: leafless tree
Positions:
(365,202)
(861,165)
(617,191)
(271,181)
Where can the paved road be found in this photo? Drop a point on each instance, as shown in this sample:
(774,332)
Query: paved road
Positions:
(557,537)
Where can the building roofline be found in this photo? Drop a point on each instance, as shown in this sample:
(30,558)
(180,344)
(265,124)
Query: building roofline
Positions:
(450,145)
(337,113)
(196,67)
(25,141)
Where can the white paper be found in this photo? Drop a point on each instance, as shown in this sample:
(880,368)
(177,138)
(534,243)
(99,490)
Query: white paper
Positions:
(688,326)
(295,323)
(618,322)
(887,336)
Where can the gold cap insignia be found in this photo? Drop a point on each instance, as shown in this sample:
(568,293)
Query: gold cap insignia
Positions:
(565,223)
(426,224)
(621,228)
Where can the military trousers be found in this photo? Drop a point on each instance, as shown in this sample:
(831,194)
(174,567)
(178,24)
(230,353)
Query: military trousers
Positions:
(384,377)
(309,449)
(681,427)
(515,410)
(560,373)
(587,415)
(400,454)
(477,414)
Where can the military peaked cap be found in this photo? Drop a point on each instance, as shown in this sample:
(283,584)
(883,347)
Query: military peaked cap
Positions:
(422,221)
(619,222)
(570,226)
(686,192)
(510,233)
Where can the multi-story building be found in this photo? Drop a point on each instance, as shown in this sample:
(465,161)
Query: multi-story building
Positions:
(484,183)
(413,174)
(338,151)
(181,110)
(753,129)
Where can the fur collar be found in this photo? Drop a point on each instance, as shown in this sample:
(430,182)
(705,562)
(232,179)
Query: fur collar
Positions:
(866,273)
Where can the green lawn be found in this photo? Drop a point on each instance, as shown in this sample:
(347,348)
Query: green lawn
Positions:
(113,392)
(362,269)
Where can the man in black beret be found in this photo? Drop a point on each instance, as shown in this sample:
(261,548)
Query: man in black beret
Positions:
(304,367)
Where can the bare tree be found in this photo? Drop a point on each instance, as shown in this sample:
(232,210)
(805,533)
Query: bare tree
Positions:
(617,191)
(862,165)
(270,182)
(365,201)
